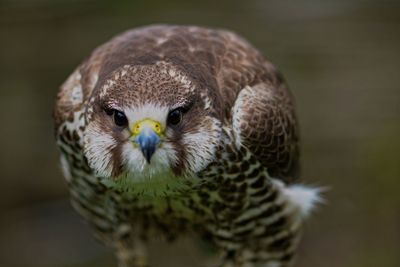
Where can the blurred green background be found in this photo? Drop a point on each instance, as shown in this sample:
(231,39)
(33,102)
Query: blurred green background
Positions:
(341,59)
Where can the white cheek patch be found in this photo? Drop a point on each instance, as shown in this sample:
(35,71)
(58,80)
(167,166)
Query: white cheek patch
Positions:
(133,159)
(98,147)
(136,165)
(201,145)
(146,111)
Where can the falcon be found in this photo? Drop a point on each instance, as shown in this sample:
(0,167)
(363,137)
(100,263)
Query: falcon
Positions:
(170,130)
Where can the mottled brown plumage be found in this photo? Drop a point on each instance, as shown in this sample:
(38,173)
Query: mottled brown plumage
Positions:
(236,143)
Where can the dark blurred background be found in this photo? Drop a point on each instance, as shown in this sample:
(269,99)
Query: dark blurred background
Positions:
(341,59)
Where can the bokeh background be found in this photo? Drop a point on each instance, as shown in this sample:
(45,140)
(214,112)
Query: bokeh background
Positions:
(341,59)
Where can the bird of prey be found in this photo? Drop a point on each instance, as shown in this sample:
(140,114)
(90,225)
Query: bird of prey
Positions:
(166,130)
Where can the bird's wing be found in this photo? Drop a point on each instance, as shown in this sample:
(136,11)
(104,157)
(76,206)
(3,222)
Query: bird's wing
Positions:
(70,108)
(70,99)
(70,105)
(253,97)
(264,120)
(69,123)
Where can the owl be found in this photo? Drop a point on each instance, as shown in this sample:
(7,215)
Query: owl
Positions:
(171,130)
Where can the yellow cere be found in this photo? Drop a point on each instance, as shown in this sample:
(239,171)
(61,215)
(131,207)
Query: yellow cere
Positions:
(155,125)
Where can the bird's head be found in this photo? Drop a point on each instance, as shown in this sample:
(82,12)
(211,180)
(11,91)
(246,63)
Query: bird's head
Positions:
(149,120)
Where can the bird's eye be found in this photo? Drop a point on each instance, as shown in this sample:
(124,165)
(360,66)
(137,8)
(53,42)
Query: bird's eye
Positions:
(175,116)
(120,118)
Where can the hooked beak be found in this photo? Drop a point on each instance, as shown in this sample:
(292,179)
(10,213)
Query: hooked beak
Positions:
(146,134)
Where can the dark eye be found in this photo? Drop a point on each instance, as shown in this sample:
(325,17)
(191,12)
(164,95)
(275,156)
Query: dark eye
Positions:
(118,117)
(175,116)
